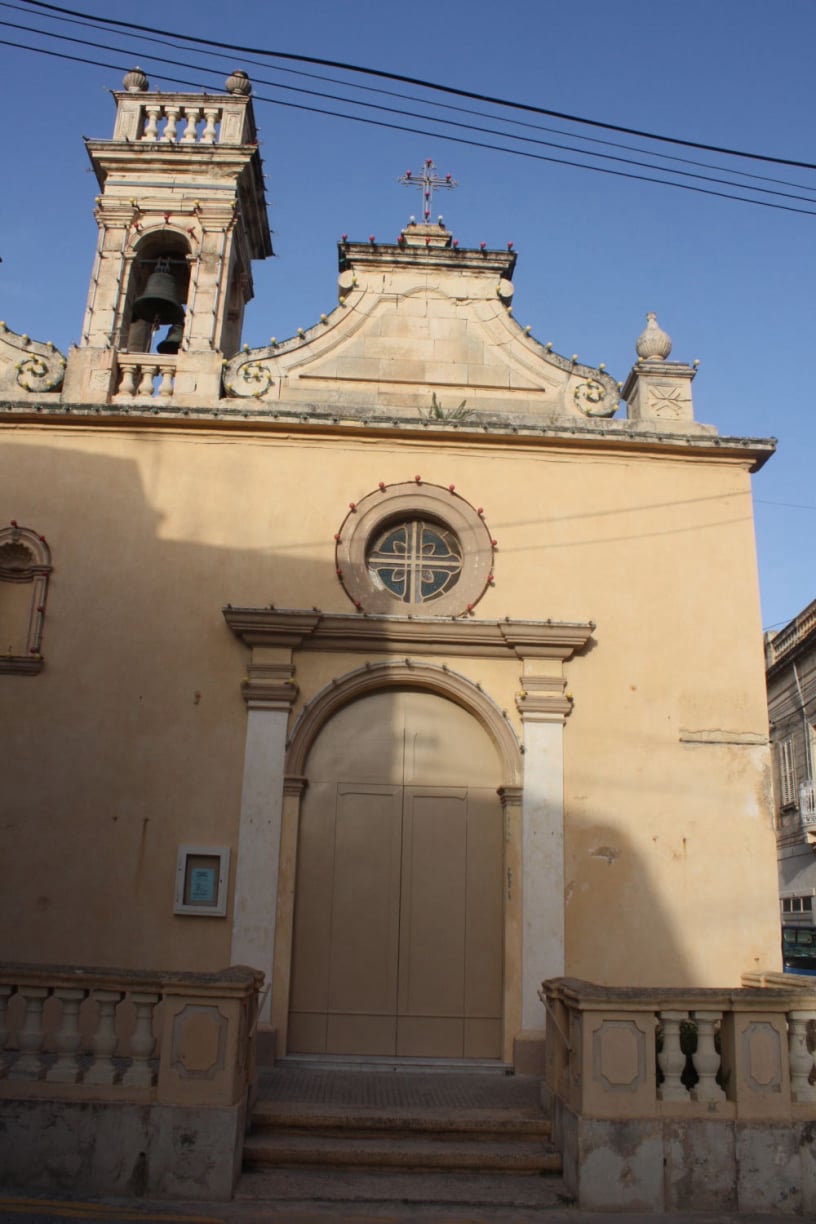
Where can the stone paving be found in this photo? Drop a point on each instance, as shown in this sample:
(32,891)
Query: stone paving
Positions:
(403,1091)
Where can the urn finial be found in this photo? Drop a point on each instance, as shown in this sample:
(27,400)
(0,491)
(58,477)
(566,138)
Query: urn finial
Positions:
(238,83)
(653,344)
(135,81)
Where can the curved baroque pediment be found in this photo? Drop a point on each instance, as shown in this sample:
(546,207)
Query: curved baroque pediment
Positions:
(424,332)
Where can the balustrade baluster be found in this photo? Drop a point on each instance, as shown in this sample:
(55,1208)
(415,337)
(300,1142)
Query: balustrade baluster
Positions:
(103,1069)
(166,385)
(211,116)
(142,1043)
(151,131)
(145,386)
(671,1059)
(706,1059)
(66,1069)
(5,994)
(127,383)
(169,134)
(192,114)
(800,1056)
(28,1064)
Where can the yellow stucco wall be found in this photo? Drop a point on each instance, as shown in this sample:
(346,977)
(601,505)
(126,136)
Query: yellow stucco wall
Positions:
(131,740)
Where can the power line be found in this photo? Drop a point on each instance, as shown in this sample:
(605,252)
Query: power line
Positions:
(446,122)
(416,131)
(92,23)
(418,81)
(763,501)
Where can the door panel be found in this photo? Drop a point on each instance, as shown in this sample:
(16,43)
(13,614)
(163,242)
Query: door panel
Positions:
(365,901)
(434,879)
(484,913)
(398,927)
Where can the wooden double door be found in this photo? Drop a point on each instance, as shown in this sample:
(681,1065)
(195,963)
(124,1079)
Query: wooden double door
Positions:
(398,931)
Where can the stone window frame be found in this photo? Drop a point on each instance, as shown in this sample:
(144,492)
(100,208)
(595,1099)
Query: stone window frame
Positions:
(368,519)
(13,540)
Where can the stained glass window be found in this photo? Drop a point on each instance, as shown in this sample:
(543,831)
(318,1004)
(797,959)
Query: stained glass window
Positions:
(416,560)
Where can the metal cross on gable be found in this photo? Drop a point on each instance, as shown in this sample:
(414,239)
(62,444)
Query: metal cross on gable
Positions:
(427,180)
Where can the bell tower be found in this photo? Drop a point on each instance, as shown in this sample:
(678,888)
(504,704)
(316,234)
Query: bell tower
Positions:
(181,216)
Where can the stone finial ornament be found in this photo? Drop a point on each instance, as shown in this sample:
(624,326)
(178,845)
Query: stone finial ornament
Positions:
(135,81)
(238,83)
(653,344)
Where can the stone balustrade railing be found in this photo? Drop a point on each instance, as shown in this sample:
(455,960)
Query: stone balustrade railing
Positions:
(124,1035)
(678,1100)
(183,119)
(615,1052)
(145,375)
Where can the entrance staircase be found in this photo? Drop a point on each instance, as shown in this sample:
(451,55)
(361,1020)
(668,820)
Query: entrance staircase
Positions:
(432,1134)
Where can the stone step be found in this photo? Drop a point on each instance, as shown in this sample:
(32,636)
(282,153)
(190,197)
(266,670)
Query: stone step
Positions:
(328,1120)
(374,1063)
(307,1187)
(418,1152)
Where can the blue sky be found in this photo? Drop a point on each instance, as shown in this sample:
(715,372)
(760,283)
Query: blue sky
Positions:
(731,282)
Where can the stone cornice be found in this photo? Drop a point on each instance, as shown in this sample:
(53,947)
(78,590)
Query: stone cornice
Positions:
(463,636)
(241,415)
(380,254)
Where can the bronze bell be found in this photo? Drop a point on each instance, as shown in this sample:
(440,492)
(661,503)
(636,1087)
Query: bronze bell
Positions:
(159,303)
(172,341)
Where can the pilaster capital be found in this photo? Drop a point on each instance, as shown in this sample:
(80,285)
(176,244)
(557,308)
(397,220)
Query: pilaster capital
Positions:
(270,686)
(511,796)
(543,699)
(294,784)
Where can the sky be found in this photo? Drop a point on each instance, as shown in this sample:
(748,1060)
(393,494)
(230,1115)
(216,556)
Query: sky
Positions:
(731,282)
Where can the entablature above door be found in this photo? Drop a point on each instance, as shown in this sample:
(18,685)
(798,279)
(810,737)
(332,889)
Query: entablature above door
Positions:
(464,637)
(275,634)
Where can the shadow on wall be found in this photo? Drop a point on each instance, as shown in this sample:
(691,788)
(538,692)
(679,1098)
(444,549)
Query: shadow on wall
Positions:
(131,740)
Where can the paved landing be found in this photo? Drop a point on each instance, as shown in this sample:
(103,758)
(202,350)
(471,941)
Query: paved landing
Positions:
(407,1091)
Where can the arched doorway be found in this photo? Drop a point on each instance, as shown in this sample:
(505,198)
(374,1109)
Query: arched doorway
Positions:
(398,923)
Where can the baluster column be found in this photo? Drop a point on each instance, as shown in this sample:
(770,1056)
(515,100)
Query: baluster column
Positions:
(671,1059)
(706,1059)
(211,117)
(29,1065)
(145,386)
(66,1069)
(102,1069)
(191,114)
(151,131)
(142,1043)
(169,135)
(127,384)
(166,384)
(800,1057)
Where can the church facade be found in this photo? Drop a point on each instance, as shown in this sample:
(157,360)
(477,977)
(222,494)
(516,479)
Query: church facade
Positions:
(404,660)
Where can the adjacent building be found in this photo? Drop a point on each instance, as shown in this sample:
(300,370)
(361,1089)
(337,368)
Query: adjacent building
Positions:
(790,657)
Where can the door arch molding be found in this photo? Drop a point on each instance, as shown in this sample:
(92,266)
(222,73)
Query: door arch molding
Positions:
(404,674)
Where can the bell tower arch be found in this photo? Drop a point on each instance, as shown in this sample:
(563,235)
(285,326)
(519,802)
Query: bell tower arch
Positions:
(181,217)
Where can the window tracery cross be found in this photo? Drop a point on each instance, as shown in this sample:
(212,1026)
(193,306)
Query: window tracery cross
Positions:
(416,561)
